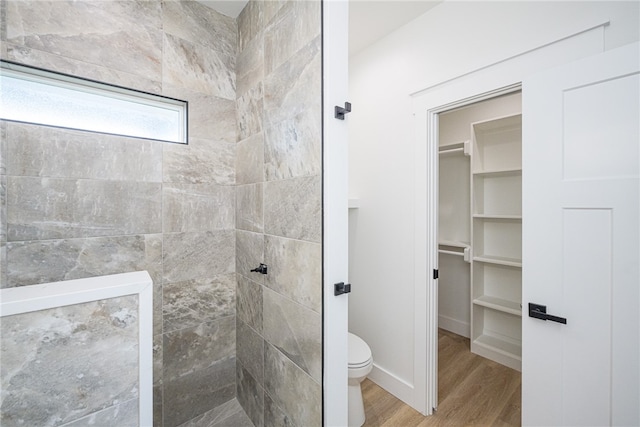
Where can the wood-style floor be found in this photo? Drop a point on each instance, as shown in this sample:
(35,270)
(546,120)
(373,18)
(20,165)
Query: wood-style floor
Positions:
(472,391)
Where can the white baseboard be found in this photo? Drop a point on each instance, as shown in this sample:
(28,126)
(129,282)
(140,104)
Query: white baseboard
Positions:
(454,325)
(394,385)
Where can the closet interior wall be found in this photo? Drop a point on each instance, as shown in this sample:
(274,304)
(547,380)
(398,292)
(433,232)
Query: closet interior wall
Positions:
(479,220)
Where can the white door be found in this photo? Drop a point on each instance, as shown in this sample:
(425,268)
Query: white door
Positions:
(335,211)
(581,242)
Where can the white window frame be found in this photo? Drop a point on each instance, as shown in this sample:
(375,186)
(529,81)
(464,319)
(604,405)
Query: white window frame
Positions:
(166,117)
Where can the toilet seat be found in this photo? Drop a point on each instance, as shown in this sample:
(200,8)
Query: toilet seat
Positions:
(359,352)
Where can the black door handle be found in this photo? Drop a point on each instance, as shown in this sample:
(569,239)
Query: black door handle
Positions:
(540,312)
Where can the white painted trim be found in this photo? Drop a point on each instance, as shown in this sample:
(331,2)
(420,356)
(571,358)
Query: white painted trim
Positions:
(427,103)
(454,325)
(26,299)
(393,384)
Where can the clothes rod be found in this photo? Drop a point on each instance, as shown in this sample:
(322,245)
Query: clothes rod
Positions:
(442,251)
(451,151)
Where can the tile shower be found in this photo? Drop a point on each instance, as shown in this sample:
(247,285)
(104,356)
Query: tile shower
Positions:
(198,218)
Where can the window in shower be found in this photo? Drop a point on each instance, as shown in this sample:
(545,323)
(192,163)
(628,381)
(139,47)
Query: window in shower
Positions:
(33,95)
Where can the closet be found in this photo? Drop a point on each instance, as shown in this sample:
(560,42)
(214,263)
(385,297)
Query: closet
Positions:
(480,226)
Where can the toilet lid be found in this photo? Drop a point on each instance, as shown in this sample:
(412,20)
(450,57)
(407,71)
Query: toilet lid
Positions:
(359,351)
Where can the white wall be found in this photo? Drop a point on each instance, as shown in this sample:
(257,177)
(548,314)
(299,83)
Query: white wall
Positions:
(452,39)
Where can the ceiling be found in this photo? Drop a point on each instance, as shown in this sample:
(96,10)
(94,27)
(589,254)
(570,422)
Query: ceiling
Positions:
(369,20)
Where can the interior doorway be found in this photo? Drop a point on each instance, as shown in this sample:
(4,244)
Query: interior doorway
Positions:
(479,259)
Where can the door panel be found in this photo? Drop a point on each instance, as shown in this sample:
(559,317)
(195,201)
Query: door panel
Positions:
(581,240)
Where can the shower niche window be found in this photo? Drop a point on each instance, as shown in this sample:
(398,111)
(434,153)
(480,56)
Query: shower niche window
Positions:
(37,96)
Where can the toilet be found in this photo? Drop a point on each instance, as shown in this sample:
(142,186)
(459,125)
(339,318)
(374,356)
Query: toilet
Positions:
(360,364)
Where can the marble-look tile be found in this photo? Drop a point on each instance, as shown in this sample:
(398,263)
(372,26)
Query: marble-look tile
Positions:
(157,406)
(42,384)
(270,9)
(211,117)
(190,303)
(229,414)
(250,395)
(54,208)
(249,254)
(34,262)
(295,86)
(3,145)
(295,270)
(249,207)
(302,404)
(195,349)
(250,160)
(250,66)
(61,153)
(157,360)
(294,26)
(3,265)
(196,393)
(294,330)
(250,350)
(250,23)
(249,303)
(62,64)
(250,112)
(192,21)
(197,207)
(198,68)
(95,32)
(157,305)
(274,416)
(292,208)
(197,255)
(293,147)
(3,208)
(124,414)
(202,161)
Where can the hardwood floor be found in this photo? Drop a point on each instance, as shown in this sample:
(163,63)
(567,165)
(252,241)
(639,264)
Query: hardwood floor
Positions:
(472,390)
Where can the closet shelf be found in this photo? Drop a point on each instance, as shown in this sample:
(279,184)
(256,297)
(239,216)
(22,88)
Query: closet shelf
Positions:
(498,216)
(504,347)
(499,172)
(447,145)
(454,243)
(511,262)
(499,304)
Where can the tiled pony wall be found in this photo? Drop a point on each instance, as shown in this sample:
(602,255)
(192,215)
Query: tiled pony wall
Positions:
(197,217)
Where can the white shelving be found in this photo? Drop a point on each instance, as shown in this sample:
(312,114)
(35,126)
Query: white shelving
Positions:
(496,227)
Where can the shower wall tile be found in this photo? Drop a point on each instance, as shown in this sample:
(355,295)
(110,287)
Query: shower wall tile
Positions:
(249,303)
(293,147)
(294,330)
(197,255)
(273,415)
(35,352)
(34,262)
(3,265)
(193,302)
(229,414)
(198,392)
(124,414)
(197,207)
(249,207)
(295,86)
(250,160)
(292,208)
(99,33)
(198,68)
(77,67)
(302,403)
(3,147)
(249,112)
(52,208)
(157,359)
(210,117)
(249,254)
(158,420)
(198,348)
(295,270)
(80,154)
(250,351)
(192,21)
(3,208)
(250,23)
(202,161)
(294,26)
(250,66)
(250,395)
